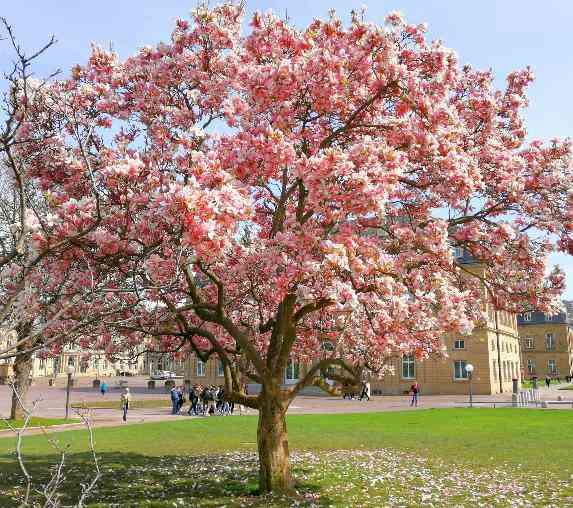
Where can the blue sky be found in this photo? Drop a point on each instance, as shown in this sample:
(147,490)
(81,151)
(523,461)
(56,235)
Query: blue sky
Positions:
(501,34)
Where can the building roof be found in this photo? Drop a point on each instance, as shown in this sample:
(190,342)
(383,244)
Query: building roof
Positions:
(537,318)
(569,307)
(466,258)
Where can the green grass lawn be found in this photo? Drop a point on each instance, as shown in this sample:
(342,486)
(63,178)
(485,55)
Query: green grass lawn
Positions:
(115,404)
(35,422)
(527,383)
(341,460)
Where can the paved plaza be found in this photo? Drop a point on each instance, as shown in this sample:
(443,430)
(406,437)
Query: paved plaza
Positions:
(52,401)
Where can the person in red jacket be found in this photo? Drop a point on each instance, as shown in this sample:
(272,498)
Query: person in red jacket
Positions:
(414,391)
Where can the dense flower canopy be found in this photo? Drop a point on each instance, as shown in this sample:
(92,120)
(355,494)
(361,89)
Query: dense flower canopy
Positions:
(263,193)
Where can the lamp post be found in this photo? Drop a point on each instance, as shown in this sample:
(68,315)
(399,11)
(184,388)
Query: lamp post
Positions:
(469,370)
(71,371)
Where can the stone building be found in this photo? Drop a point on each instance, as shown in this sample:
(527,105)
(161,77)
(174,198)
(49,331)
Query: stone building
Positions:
(211,373)
(546,344)
(85,363)
(493,350)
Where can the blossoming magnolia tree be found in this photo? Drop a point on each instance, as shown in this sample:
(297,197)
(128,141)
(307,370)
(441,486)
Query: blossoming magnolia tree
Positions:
(294,194)
(49,290)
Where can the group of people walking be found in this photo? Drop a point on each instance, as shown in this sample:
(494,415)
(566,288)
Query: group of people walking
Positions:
(203,400)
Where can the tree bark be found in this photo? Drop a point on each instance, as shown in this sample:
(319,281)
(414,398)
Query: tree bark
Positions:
(22,367)
(274,466)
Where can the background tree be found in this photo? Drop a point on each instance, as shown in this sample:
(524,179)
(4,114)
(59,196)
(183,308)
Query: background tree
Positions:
(271,193)
(49,292)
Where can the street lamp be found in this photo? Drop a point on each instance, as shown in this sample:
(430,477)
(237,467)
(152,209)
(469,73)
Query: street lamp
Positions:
(71,370)
(469,370)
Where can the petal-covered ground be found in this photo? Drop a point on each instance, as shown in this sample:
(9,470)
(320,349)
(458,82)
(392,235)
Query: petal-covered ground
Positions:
(348,478)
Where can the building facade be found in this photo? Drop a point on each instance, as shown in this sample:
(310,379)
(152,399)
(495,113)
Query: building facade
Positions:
(546,345)
(492,349)
(85,364)
(212,373)
(153,362)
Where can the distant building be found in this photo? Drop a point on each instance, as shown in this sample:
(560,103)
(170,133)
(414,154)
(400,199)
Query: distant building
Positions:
(492,349)
(546,344)
(85,363)
(153,362)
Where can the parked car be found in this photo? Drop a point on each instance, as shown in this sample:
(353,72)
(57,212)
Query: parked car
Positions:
(163,374)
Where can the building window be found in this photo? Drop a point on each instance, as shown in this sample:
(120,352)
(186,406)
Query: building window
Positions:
(408,367)
(549,342)
(529,343)
(530,366)
(495,370)
(492,345)
(220,369)
(458,252)
(460,371)
(552,367)
(527,316)
(71,361)
(292,372)
(459,344)
(200,368)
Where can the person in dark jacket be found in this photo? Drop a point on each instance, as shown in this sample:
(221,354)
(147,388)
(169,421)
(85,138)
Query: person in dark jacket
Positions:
(180,398)
(193,399)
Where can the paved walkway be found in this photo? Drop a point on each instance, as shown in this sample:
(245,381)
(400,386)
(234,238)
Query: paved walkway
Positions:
(52,402)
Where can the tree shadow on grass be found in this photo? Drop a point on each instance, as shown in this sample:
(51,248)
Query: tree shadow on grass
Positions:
(130,479)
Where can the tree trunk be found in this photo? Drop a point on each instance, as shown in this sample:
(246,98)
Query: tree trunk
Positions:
(22,368)
(274,467)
